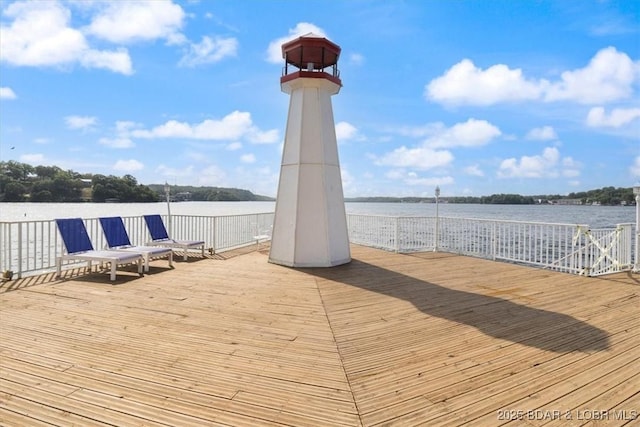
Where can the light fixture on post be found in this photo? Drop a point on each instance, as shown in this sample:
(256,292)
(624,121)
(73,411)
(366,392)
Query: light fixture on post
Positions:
(435,245)
(636,265)
(167,193)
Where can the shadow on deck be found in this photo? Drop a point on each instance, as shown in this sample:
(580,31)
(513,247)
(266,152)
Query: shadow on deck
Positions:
(493,316)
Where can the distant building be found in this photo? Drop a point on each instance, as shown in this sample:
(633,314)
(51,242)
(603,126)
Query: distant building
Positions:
(184,196)
(567,202)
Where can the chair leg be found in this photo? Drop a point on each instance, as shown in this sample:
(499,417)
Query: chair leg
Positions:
(171,259)
(112,274)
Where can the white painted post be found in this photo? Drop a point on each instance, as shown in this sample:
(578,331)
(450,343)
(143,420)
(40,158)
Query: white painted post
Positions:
(19,251)
(167,193)
(437,231)
(636,267)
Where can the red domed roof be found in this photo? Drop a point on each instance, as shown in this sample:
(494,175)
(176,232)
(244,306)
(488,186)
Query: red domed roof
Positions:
(311,54)
(311,48)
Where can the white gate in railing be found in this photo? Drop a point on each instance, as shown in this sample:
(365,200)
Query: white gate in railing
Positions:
(603,251)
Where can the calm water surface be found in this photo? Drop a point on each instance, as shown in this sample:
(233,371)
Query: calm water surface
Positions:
(595,216)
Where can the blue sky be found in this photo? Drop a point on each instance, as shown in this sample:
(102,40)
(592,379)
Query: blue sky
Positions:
(477,97)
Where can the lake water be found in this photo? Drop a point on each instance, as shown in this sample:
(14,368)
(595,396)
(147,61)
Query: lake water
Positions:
(594,216)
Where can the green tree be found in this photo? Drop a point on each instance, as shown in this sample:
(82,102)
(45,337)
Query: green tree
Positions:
(41,191)
(47,172)
(125,189)
(14,192)
(17,171)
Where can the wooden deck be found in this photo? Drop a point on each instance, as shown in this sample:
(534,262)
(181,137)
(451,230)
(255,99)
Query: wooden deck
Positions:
(423,339)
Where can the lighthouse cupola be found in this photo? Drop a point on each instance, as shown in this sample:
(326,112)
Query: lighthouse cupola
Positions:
(311,56)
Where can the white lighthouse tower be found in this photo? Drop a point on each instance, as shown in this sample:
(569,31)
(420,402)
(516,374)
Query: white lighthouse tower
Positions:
(310,226)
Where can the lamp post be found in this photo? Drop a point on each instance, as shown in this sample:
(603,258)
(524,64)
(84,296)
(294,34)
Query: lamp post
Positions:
(636,267)
(167,193)
(435,245)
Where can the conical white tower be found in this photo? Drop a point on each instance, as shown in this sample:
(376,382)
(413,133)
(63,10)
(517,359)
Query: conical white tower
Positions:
(310,226)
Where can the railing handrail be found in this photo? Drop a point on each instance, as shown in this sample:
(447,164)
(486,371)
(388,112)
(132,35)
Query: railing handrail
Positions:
(28,246)
(510,221)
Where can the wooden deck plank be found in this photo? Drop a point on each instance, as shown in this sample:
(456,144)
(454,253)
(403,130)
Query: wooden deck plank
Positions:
(388,339)
(12,418)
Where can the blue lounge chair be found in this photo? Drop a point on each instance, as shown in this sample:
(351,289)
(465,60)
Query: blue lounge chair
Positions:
(118,239)
(160,237)
(78,247)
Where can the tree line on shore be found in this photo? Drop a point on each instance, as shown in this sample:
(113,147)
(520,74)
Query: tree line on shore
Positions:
(20,182)
(608,196)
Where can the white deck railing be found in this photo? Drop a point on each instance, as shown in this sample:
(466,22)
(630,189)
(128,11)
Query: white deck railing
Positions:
(568,248)
(31,247)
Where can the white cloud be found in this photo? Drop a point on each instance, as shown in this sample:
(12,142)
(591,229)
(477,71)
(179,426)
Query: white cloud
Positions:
(348,180)
(635,167)
(118,142)
(356,59)
(40,35)
(418,158)
(128,165)
(167,171)
(124,126)
(618,117)
(212,175)
(117,61)
(209,51)
(414,180)
(132,21)
(274,51)
(395,174)
(233,126)
(570,167)
(613,25)
(544,133)
(420,131)
(32,159)
(196,156)
(80,122)
(346,131)
(430,154)
(464,83)
(472,133)
(473,170)
(248,158)
(234,146)
(7,93)
(256,136)
(544,165)
(608,77)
